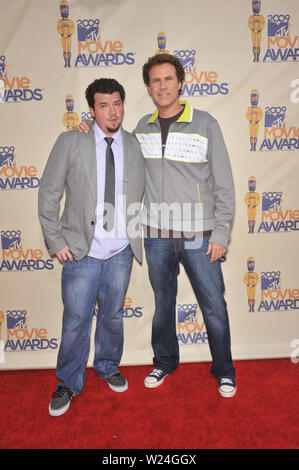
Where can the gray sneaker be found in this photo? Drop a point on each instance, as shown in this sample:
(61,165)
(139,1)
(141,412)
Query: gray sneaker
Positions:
(117,383)
(61,401)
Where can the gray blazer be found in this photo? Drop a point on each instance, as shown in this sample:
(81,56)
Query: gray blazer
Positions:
(71,167)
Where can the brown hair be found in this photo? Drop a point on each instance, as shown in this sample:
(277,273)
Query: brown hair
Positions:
(163,59)
(103,85)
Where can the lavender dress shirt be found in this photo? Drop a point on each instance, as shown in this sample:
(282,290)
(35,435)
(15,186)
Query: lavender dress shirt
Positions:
(107,244)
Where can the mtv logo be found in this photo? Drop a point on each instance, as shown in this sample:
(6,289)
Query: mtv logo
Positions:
(88,30)
(16,319)
(7,158)
(278,27)
(187,313)
(270,280)
(275,119)
(188,63)
(11,240)
(2,66)
(271,201)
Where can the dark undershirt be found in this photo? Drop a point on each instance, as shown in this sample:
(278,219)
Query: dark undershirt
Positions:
(164,124)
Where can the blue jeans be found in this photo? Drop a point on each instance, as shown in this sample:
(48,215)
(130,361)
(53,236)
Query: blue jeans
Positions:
(163,258)
(84,282)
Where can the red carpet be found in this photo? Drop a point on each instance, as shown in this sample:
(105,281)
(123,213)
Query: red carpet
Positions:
(186,412)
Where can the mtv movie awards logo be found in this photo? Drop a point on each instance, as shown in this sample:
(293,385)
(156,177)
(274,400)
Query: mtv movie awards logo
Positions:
(16,89)
(92,50)
(198,82)
(273,296)
(13,176)
(129,311)
(191,328)
(277,135)
(282,45)
(20,336)
(274,216)
(17,258)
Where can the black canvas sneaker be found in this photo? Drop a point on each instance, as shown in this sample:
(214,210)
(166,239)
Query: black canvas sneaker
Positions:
(117,383)
(61,400)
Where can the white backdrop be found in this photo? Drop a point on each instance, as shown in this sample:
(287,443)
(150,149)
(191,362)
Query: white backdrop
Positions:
(109,38)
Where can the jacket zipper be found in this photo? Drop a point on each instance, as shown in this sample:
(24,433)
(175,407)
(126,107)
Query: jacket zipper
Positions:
(163,160)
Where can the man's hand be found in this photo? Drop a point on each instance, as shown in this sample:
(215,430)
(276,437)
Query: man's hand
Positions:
(84,126)
(64,254)
(217,251)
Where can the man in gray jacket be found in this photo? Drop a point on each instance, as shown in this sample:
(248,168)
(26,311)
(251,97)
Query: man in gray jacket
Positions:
(188,212)
(187,217)
(102,174)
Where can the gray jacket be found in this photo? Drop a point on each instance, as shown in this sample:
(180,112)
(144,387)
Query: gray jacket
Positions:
(72,167)
(194,174)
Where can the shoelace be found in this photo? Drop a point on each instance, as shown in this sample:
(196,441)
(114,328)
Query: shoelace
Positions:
(157,372)
(229,381)
(61,391)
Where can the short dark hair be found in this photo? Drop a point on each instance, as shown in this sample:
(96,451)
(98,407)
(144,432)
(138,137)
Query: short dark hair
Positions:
(103,85)
(163,59)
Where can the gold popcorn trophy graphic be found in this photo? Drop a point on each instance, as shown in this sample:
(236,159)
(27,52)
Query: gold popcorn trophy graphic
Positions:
(254,114)
(256,24)
(252,199)
(65,27)
(161,43)
(251,278)
(70,118)
(2,319)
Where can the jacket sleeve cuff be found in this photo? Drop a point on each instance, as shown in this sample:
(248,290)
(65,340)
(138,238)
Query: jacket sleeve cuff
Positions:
(219,238)
(55,246)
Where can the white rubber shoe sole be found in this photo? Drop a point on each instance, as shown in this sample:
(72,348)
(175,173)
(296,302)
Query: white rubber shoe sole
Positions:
(227,391)
(59,411)
(153,382)
(120,389)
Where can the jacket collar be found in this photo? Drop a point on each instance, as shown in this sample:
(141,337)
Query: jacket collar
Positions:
(186,115)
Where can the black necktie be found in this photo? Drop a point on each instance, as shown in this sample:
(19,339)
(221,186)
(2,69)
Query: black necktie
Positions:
(109,197)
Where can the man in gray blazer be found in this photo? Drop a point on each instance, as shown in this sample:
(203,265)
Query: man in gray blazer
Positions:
(102,176)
